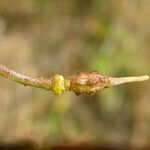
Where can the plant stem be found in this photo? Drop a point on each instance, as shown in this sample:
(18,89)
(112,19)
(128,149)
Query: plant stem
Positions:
(24,79)
(81,83)
(122,80)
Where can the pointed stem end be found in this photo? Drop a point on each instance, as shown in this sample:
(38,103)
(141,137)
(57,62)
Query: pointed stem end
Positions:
(121,80)
(146,77)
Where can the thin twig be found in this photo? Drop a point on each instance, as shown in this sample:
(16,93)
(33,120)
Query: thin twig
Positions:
(24,79)
(122,80)
(81,83)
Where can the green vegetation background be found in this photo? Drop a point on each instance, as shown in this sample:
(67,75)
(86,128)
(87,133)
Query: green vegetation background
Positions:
(44,37)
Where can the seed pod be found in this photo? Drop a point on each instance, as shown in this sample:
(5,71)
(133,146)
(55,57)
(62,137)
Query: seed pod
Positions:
(91,82)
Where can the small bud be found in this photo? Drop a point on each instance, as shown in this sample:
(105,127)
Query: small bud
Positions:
(88,83)
(58,86)
(92,82)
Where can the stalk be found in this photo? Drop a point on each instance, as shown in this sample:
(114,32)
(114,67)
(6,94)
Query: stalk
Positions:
(122,80)
(81,83)
(25,79)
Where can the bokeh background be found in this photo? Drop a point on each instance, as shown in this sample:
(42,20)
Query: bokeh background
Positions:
(44,37)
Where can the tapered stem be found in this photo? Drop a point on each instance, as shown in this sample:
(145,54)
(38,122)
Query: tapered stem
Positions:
(81,83)
(121,80)
(24,79)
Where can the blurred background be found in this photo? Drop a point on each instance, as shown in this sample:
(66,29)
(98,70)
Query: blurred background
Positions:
(44,37)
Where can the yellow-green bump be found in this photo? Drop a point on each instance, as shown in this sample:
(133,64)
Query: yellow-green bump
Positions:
(67,84)
(58,84)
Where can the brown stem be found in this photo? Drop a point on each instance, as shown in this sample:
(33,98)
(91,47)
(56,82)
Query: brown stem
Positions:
(81,83)
(24,79)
